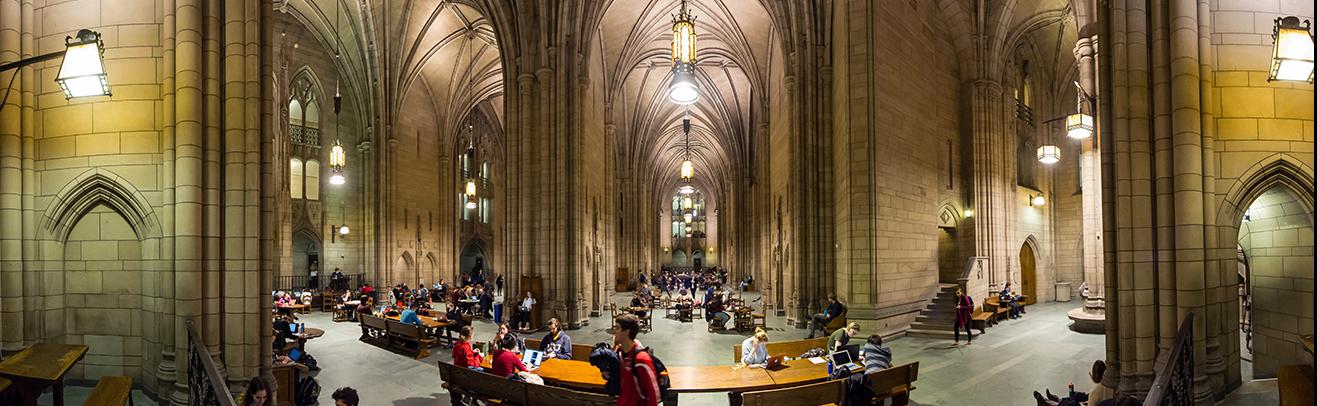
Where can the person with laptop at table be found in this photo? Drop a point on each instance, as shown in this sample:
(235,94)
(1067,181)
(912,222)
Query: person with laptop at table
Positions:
(506,361)
(556,344)
(840,339)
(409,316)
(754,351)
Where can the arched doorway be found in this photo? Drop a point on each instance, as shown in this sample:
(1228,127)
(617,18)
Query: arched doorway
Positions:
(306,253)
(1275,248)
(678,258)
(1028,273)
(402,270)
(472,258)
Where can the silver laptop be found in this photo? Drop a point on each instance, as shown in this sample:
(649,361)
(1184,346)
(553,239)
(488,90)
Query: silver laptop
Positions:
(842,360)
(532,358)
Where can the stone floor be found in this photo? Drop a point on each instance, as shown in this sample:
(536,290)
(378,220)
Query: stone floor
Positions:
(1002,367)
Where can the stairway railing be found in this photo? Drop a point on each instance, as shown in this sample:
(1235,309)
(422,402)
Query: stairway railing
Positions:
(1174,381)
(205,382)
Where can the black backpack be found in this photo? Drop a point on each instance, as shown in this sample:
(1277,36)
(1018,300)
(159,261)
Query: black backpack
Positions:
(662,372)
(308,392)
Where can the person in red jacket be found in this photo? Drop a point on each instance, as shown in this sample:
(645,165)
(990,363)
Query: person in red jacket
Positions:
(506,361)
(639,383)
(463,355)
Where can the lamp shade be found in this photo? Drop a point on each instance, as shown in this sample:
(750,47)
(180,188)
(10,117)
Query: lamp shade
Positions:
(1038,200)
(471,202)
(683,90)
(1079,126)
(82,73)
(336,177)
(686,189)
(687,169)
(470,188)
(1292,51)
(1049,154)
(687,203)
(343,229)
(683,37)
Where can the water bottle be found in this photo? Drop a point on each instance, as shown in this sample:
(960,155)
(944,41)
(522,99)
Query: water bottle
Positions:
(829,367)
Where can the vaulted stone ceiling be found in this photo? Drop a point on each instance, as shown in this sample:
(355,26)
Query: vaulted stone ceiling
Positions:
(734,43)
(442,49)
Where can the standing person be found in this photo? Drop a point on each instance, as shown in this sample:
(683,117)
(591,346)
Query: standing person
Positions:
(556,344)
(964,306)
(754,350)
(499,283)
(820,321)
(639,378)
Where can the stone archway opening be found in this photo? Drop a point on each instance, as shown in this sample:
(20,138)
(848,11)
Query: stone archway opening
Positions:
(1275,264)
(472,261)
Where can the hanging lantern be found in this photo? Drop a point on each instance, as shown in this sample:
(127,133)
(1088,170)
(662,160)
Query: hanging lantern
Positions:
(687,169)
(470,187)
(471,202)
(1292,51)
(337,161)
(686,189)
(1049,154)
(82,73)
(1079,126)
(687,203)
(683,89)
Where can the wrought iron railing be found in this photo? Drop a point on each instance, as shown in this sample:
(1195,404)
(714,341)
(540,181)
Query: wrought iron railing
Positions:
(1023,112)
(205,382)
(322,282)
(304,135)
(1174,381)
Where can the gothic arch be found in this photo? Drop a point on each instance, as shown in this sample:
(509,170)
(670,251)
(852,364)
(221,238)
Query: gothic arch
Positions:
(1280,169)
(948,216)
(99,186)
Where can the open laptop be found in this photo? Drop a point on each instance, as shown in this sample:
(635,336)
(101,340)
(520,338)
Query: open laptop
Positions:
(775,362)
(842,361)
(532,358)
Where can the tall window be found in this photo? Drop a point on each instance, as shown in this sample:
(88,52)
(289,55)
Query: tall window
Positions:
(295,178)
(313,180)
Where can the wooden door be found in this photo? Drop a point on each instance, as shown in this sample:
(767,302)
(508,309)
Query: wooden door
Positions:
(534,285)
(1028,281)
(620,280)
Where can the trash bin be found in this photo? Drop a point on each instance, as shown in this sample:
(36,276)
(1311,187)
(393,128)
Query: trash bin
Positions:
(498,313)
(1063,291)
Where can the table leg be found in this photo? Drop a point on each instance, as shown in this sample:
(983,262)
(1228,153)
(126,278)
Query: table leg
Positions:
(670,399)
(734,398)
(58,391)
(28,393)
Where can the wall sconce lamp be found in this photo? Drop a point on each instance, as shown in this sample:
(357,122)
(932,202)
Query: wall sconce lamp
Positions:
(1037,201)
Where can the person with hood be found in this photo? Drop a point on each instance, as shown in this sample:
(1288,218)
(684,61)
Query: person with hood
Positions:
(875,358)
(609,363)
(556,344)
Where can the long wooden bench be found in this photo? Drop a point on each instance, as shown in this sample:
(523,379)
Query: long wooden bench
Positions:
(980,319)
(580,352)
(373,327)
(993,306)
(495,390)
(791,348)
(894,383)
(111,391)
(823,393)
(1295,385)
(403,333)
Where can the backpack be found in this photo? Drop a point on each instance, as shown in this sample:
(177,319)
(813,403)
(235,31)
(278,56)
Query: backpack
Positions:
(661,372)
(308,391)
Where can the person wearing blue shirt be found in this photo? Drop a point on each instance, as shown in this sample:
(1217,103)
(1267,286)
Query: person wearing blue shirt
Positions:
(754,350)
(1008,297)
(409,316)
(820,321)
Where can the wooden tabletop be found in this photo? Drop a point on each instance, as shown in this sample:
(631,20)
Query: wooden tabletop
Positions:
(798,372)
(44,362)
(718,378)
(311,332)
(4,384)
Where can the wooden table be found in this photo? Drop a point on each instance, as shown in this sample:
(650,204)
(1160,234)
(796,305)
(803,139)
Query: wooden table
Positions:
(798,372)
(39,366)
(433,326)
(310,333)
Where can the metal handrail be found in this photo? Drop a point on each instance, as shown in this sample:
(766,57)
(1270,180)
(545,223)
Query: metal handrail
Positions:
(1174,381)
(205,382)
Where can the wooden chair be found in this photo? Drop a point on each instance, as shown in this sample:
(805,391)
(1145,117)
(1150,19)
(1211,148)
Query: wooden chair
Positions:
(555,396)
(822,393)
(894,383)
(837,322)
(111,391)
(743,319)
(328,301)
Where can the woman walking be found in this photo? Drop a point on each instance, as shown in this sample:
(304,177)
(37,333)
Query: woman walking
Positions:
(964,306)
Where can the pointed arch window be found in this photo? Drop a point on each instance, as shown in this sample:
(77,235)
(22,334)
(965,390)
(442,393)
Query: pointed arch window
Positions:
(295,178)
(312,180)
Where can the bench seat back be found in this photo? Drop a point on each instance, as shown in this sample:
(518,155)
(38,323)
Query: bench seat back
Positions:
(483,385)
(791,348)
(372,321)
(555,396)
(580,352)
(404,330)
(822,393)
(895,379)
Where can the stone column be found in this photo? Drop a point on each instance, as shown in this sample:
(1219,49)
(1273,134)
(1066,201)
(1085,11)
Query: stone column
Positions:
(11,238)
(1091,164)
(188,169)
(991,193)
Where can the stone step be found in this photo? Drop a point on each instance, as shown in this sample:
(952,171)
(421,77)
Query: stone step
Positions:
(943,334)
(935,319)
(933,325)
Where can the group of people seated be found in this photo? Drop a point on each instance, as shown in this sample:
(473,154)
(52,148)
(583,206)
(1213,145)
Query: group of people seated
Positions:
(260,393)
(669,280)
(1100,395)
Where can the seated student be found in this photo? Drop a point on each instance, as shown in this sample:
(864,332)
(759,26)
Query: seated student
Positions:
(463,355)
(257,394)
(487,302)
(409,316)
(365,305)
(716,311)
(1008,297)
(819,323)
(876,357)
(523,310)
(638,301)
(504,331)
(754,350)
(506,361)
(346,396)
(1100,393)
(556,344)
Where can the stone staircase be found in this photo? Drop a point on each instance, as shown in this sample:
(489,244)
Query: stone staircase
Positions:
(936,320)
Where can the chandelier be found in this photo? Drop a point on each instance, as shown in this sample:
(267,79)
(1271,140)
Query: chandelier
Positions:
(1079,125)
(687,168)
(337,161)
(683,89)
